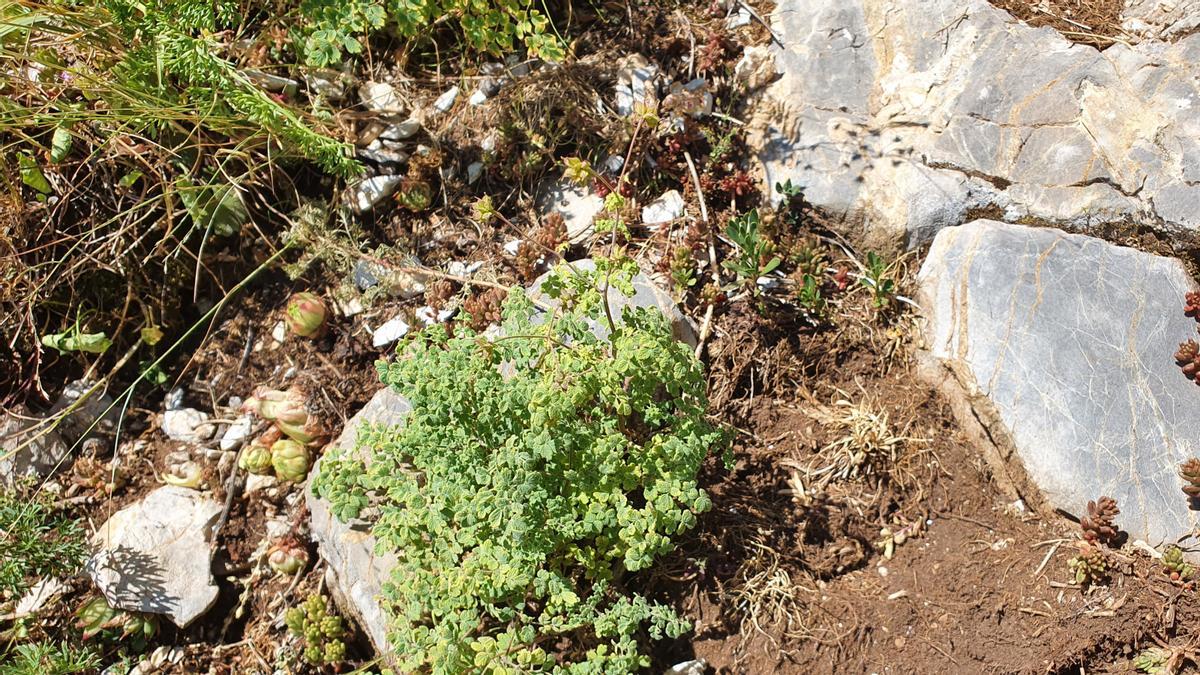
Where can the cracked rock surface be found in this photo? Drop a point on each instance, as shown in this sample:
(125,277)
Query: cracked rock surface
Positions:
(1067,340)
(907,116)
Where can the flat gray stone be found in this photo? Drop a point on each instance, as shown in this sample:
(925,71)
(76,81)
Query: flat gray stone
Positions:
(904,116)
(356,574)
(27,451)
(155,556)
(578,206)
(1068,342)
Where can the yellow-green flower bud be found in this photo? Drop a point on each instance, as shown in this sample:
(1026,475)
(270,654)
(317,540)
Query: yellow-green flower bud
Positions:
(287,558)
(290,460)
(256,459)
(305,314)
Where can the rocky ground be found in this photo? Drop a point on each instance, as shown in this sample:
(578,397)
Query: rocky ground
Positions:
(996,205)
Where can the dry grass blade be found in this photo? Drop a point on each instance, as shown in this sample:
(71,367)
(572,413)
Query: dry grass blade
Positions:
(866,446)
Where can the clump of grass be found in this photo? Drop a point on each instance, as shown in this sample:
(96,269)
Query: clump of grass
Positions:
(37,542)
(865,445)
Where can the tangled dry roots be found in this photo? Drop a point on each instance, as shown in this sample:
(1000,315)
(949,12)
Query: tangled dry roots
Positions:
(1098,525)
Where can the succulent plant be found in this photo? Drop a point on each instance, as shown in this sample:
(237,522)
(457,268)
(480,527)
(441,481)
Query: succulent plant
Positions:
(305,314)
(255,458)
(96,615)
(415,195)
(1153,660)
(1191,304)
(320,629)
(1098,525)
(308,432)
(1190,472)
(287,557)
(182,471)
(1175,565)
(1089,567)
(274,405)
(290,460)
(1188,358)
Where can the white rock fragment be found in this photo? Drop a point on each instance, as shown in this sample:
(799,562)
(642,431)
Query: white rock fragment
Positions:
(513,247)
(614,163)
(384,152)
(474,171)
(389,332)
(478,98)
(187,424)
(756,68)
(578,206)
(637,83)
(155,556)
(369,192)
(279,332)
(693,667)
(381,97)
(237,433)
(428,316)
(37,596)
(446,101)
(461,269)
(258,482)
(401,130)
(741,18)
(665,209)
(349,308)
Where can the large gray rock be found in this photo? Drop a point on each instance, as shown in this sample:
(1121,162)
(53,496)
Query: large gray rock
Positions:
(356,573)
(1160,19)
(27,449)
(1067,342)
(155,556)
(905,116)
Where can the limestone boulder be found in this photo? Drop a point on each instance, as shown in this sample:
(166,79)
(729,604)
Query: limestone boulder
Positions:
(1065,344)
(906,117)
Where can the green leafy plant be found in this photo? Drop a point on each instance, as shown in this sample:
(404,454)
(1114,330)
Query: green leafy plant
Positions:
(1175,566)
(876,280)
(131,630)
(37,542)
(535,471)
(50,658)
(755,255)
(320,629)
(809,296)
(1089,566)
(334,28)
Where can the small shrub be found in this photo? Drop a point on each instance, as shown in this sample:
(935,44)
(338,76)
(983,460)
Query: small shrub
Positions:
(36,541)
(534,471)
(336,27)
(49,658)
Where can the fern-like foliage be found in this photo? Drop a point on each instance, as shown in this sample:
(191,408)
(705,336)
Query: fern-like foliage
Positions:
(171,46)
(535,470)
